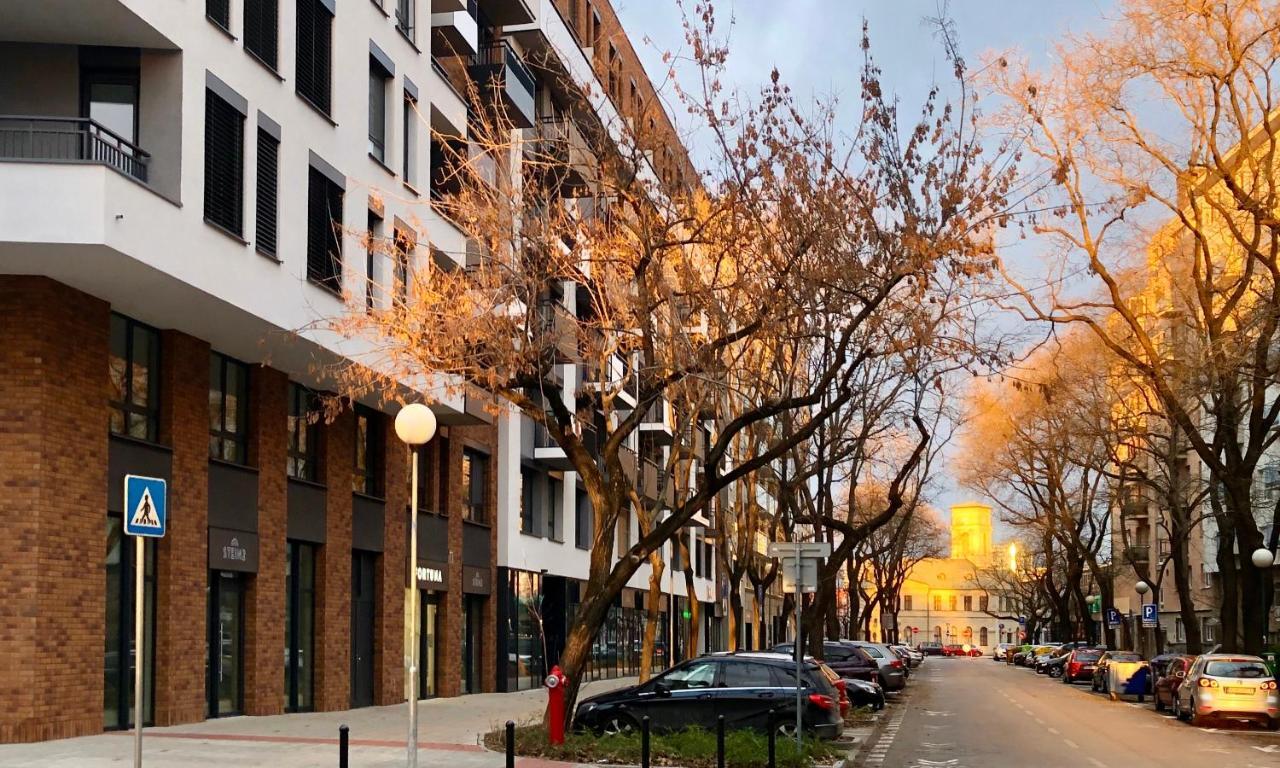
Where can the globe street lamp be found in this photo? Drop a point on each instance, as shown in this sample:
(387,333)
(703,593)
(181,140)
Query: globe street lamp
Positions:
(1142,588)
(1262,560)
(415,425)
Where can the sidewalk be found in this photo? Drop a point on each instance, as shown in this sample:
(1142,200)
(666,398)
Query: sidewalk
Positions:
(448,733)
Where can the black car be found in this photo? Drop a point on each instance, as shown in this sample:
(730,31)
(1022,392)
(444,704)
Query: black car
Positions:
(741,687)
(848,661)
(932,649)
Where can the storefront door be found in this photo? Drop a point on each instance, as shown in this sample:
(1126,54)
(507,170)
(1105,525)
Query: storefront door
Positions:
(299,611)
(472,642)
(362,610)
(224,649)
(428,638)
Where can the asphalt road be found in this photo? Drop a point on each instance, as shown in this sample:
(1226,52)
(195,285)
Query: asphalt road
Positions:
(975,713)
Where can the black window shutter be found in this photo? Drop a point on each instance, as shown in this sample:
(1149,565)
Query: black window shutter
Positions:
(315,28)
(268,173)
(260,29)
(223,164)
(324,231)
(219,11)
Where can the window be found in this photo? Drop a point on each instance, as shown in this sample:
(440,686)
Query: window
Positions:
(314,39)
(265,230)
(982,636)
(304,434)
(1206,580)
(526,501)
(475,485)
(968,602)
(555,498)
(228,409)
(1206,631)
(405,244)
(699,674)
(613,73)
(372,237)
(584,521)
(937,602)
(404,17)
(324,231)
(740,674)
(697,555)
(378,77)
(906,602)
(219,12)
(134,369)
(984,603)
(367,475)
(593,38)
(952,602)
(223,164)
(408,139)
(261,30)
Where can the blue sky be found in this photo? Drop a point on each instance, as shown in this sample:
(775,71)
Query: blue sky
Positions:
(814,45)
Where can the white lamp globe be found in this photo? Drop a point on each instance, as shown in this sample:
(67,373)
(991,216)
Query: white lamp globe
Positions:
(415,424)
(1142,587)
(1262,558)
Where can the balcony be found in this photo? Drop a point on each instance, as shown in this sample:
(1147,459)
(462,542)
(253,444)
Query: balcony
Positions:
(1134,509)
(70,140)
(557,331)
(557,154)
(658,422)
(547,451)
(508,12)
(455,33)
(1137,554)
(499,68)
(655,484)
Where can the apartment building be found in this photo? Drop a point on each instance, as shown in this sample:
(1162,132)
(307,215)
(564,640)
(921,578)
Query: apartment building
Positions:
(186,188)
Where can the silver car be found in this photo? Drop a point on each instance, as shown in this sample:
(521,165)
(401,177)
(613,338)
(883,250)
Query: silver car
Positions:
(893,672)
(1228,685)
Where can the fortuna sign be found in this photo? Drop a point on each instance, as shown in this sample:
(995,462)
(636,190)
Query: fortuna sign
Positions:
(430,574)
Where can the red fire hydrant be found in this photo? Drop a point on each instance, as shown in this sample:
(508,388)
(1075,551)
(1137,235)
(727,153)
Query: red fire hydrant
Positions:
(556,682)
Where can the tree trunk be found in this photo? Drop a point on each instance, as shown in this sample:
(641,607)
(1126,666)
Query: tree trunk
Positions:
(695,607)
(652,604)
(1229,608)
(735,617)
(1253,619)
(1182,585)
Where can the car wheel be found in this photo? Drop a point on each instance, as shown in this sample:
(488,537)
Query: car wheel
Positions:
(1159,703)
(619,724)
(1274,724)
(1093,685)
(1196,719)
(786,730)
(1177,709)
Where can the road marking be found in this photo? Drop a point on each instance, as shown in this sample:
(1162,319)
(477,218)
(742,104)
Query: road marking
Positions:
(1095,761)
(1270,748)
(1054,731)
(1071,743)
(1039,721)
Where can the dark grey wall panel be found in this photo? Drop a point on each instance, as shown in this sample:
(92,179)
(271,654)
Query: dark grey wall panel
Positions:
(306,512)
(367,516)
(233,497)
(131,457)
(475,544)
(433,537)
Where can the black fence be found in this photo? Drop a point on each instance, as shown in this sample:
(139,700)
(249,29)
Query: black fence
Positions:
(69,139)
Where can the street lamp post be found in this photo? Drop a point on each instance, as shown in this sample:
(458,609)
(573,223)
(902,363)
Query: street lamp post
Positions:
(415,425)
(1099,634)
(1142,588)
(1262,560)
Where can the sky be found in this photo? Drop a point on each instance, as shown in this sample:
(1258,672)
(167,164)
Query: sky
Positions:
(814,45)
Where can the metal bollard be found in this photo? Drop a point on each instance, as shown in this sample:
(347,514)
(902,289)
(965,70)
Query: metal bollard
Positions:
(773,741)
(644,742)
(344,746)
(511,744)
(720,742)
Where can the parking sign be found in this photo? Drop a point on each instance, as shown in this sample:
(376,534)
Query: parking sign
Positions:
(1148,614)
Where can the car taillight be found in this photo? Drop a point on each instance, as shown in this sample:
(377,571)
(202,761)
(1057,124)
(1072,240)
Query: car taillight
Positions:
(1270,685)
(896,663)
(821,701)
(1074,667)
(1207,683)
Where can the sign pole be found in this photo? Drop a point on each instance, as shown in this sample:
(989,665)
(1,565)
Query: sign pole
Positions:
(799,637)
(413,617)
(139,644)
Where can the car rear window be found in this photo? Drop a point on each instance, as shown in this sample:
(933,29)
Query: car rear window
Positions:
(747,674)
(871,651)
(1125,657)
(1087,656)
(1236,669)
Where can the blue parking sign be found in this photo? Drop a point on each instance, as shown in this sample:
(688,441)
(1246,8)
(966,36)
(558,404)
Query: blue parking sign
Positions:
(146,507)
(1148,614)
(1113,618)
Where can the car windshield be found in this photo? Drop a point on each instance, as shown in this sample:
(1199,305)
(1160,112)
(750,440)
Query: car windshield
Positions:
(1087,656)
(1252,669)
(1125,656)
(696,675)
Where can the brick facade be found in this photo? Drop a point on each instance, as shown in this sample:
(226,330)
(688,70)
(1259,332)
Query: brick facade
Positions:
(388,634)
(333,568)
(53,502)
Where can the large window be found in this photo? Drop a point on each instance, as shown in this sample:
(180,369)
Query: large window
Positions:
(134,370)
(219,12)
(524,631)
(324,231)
(937,602)
(367,475)
(408,139)
(906,602)
(952,602)
(555,498)
(404,242)
(526,501)
(261,29)
(378,78)
(228,409)
(968,602)
(304,434)
(314,46)
(584,521)
(405,17)
(223,164)
(475,482)
(299,626)
(266,231)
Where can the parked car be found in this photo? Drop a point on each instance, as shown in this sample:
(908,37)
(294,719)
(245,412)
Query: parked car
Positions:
(863,693)
(932,649)
(912,657)
(1043,661)
(848,661)
(742,687)
(1080,664)
(1230,686)
(1168,671)
(893,673)
(839,683)
(1101,675)
(998,653)
(1056,666)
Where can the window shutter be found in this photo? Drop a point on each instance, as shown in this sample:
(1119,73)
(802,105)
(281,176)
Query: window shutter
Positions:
(219,11)
(268,174)
(223,163)
(260,29)
(313,52)
(324,231)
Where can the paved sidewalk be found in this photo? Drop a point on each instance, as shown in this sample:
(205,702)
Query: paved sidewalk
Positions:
(448,733)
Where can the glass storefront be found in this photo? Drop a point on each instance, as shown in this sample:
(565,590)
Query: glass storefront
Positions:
(428,645)
(363,614)
(224,646)
(119,653)
(525,668)
(472,642)
(299,611)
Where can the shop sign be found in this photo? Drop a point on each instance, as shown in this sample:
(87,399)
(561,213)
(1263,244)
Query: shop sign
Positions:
(233,550)
(476,581)
(433,575)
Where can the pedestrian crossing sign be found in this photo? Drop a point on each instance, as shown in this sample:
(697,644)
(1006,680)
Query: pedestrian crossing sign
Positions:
(146,506)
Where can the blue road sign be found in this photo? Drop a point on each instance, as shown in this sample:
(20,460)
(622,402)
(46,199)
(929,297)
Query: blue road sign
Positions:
(1113,618)
(1022,621)
(146,506)
(1148,614)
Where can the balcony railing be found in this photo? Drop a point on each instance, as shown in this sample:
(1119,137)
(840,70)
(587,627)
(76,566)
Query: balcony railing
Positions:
(70,140)
(497,64)
(1137,554)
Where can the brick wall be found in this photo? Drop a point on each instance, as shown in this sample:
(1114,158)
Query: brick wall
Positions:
(182,560)
(388,633)
(485,438)
(264,599)
(53,502)
(333,569)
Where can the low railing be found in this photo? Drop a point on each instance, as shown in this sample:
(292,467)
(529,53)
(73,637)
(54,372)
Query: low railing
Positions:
(501,52)
(70,139)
